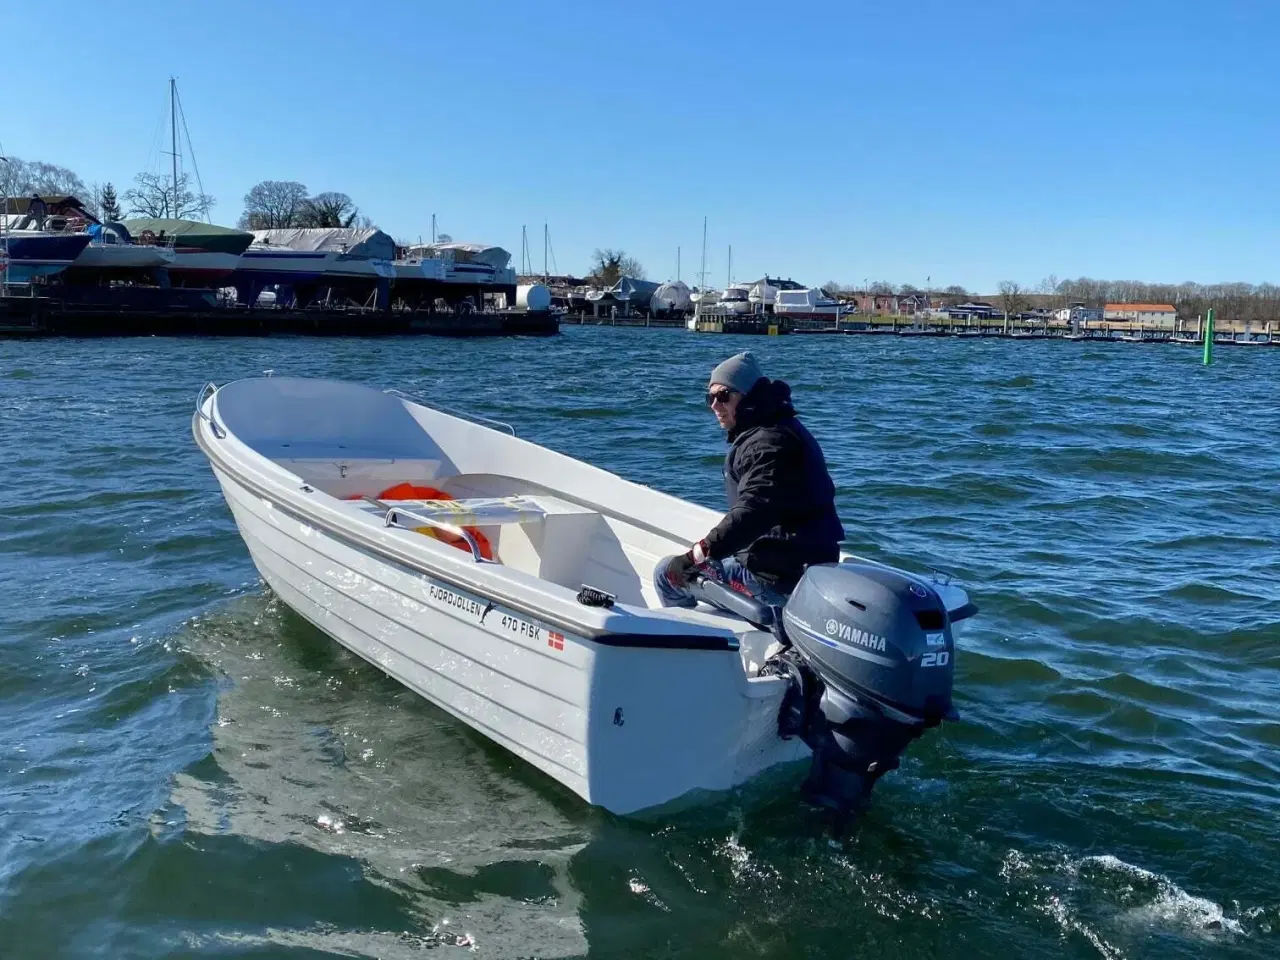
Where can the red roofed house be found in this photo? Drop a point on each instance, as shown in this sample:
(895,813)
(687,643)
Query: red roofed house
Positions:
(1155,314)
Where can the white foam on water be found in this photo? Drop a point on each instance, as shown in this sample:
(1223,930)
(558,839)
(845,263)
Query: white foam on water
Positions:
(1172,909)
(1068,922)
(1105,899)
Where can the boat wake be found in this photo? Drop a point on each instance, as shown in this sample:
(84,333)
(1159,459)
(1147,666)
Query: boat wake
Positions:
(1112,904)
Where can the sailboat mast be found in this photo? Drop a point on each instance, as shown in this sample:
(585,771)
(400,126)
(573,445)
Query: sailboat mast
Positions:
(728,280)
(546,238)
(702,274)
(173,145)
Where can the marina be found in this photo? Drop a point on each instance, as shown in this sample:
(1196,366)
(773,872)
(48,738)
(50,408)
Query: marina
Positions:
(66,271)
(63,272)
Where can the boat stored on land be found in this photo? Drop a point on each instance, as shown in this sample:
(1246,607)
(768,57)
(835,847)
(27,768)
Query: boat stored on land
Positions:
(39,253)
(204,253)
(511,586)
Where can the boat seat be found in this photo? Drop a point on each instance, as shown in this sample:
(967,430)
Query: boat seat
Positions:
(480,511)
(539,534)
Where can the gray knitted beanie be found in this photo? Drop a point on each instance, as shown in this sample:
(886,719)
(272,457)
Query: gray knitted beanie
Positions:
(741,371)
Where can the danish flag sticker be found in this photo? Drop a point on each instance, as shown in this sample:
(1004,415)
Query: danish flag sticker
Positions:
(555,640)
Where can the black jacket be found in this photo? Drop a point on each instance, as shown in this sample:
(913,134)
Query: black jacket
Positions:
(782,511)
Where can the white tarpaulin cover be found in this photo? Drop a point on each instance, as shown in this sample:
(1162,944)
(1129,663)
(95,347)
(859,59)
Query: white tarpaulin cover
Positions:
(356,241)
(484,253)
(673,295)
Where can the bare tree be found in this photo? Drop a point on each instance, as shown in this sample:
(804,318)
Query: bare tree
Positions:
(882,287)
(22,178)
(1049,288)
(272,204)
(13,177)
(609,266)
(153,195)
(329,209)
(49,179)
(1011,297)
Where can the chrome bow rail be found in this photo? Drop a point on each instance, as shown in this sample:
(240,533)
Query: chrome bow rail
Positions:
(209,389)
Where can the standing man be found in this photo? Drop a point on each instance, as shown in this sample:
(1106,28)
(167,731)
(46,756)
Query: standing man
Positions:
(38,210)
(782,513)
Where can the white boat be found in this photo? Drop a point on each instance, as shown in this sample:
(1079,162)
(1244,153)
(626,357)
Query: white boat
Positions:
(807,304)
(111,254)
(513,589)
(670,297)
(419,268)
(468,263)
(735,300)
(109,247)
(267,263)
(324,253)
(763,293)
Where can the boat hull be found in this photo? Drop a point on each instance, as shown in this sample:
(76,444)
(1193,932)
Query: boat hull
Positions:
(636,730)
(44,255)
(360,268)
(282,267)
(812,313)
(202,267)
(123,256)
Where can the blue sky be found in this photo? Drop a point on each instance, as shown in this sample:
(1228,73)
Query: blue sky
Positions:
(967,142)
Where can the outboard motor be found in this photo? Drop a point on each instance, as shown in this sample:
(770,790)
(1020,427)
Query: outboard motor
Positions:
(870,657)
(871,663)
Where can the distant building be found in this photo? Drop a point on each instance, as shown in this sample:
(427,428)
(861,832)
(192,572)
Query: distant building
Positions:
(879,304)
(1078,313)
(1155,314)
(974,309)
(913,303)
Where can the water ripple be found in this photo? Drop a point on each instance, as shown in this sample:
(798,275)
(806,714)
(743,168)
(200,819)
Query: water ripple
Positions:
(189,769)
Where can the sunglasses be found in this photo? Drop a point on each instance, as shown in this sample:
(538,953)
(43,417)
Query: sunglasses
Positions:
(718,396)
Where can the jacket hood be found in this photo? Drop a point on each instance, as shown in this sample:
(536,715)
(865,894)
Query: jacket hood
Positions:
(767,403)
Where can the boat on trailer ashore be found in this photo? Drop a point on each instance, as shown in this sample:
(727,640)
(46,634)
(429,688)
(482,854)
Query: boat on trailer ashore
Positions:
(511,586)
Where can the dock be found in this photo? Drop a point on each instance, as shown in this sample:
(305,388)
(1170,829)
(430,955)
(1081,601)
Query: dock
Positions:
(193,313)
(1106,331)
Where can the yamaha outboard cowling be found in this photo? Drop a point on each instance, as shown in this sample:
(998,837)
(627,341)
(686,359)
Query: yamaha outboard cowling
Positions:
(870,660)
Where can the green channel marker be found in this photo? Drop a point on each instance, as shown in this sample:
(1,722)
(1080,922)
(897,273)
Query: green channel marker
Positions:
(1208,338)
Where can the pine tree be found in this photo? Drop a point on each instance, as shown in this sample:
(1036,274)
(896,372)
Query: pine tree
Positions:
(110,205)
